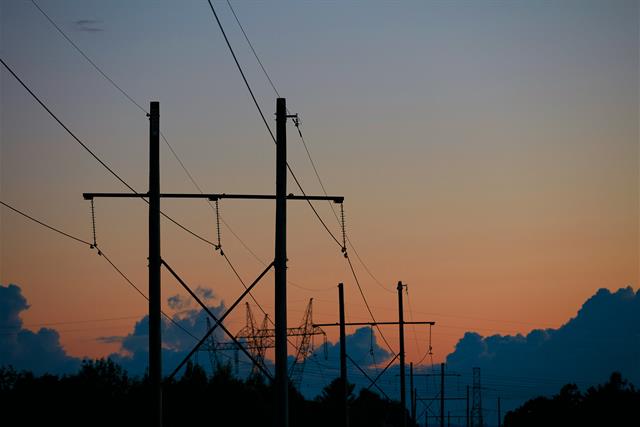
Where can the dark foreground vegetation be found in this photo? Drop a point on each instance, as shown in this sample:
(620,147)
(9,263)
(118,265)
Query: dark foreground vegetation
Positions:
(102,394)
(613,404)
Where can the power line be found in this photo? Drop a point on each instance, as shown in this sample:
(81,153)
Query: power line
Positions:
(95,156)
(252,49)
(413,327)
(57,230)
(288,166)
(367,305)
(264,120)
(122,91)
(140,107)
(304,142)
(73,322)
(310,159)
(100,252)
(171,149)
(42,104)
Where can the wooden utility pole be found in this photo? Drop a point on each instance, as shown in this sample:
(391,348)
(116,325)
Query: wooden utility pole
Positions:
(155,260)
(403,397)
(343,357)
(442,395)
(499,414)
(343,352)
(468,420)
(155,298)
(280,265)
(412,394)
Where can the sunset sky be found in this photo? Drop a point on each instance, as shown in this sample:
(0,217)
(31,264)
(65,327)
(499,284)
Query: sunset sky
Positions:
(487,152)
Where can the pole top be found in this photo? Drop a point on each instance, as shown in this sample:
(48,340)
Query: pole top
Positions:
(154,108)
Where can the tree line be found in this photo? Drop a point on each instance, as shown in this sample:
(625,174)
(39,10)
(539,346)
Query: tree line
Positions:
(102,393)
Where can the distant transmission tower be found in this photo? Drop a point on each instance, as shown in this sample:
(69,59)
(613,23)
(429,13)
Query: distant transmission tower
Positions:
(476,408)
(256,339)
(305,345)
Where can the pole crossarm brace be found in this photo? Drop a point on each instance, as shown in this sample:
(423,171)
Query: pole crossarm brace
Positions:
(368,377)
(218,322)
(322,325)
(373,382)
(213,197)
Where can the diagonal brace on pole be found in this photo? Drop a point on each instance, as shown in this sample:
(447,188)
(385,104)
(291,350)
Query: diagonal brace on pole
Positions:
(218,322)
(373,382)
(369,378)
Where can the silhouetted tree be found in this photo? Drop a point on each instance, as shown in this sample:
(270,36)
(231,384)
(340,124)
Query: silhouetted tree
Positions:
(614,403)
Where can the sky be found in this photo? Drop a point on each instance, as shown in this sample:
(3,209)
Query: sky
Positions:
(487,152)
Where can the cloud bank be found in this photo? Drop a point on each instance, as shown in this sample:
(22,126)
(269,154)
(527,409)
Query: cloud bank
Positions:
(602,338)
(39,352)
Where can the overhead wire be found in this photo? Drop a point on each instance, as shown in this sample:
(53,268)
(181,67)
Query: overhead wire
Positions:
(100,252)
(171,149)
(141,108)
(264,120)
(142,196)
(413,327)
(94,155)
(235,58)
(73,135)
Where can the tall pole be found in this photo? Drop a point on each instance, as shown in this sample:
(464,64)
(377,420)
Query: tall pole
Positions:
(499,414)
(280,265)
(403,397)
(468,424)
(413,396)
(155,338)
(343,356)
(442,395)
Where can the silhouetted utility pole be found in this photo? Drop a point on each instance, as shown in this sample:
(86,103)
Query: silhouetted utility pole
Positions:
(448,419)
(468,423)
(403,397)
(442,395)
(343,357)
(413,394)
(155,260)
(499,414)
(343,366)
(280,266)
(155,299)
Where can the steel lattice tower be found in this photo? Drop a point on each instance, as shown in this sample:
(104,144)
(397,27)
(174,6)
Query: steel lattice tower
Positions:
(476,408)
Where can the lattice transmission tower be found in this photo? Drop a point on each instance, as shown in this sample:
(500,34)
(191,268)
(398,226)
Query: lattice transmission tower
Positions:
(476,408)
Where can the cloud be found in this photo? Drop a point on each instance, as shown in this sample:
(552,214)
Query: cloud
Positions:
(602,338)
(39,351)
(205,294)
(178,302)
(360,346)
(133,354)
(88,25)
